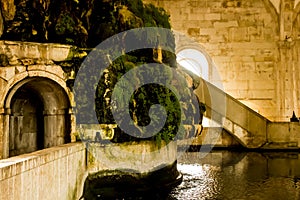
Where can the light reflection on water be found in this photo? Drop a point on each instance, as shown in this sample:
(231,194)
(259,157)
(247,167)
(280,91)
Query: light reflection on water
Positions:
(232,175)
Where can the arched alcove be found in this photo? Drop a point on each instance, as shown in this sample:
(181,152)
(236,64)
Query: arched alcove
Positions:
(38,115)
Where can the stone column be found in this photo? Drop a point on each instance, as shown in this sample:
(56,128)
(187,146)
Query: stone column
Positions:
(286,72)
(72,120)
(54,127)
(4,138)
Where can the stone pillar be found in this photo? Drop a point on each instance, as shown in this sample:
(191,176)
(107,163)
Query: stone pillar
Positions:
(54,127)
(71,116)
(1,24)
(286,19)
(287,70)
(5,115)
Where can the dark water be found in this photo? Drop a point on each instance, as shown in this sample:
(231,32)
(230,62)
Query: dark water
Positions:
(234,175)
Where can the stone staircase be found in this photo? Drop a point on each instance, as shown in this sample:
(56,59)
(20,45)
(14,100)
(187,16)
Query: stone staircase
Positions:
(245,125)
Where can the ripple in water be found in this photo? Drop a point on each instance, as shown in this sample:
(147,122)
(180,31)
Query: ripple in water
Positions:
(199,182)
(253,176)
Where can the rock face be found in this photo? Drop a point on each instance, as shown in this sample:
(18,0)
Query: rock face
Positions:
(83,23)
(8,9)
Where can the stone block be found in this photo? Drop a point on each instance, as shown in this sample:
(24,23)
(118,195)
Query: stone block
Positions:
(253,45)
(261,75)
(20,69)
(228,125)
(30,50)
(202,10)
(55,69)
(238,34)
(207,31)
(229,16)
(7,73)
(240,133)
(261,85)
(194,31)
(193,23)
(217,39)
(196,16)
(226,24)
(248,67)
(264,66)
(261,94)
(231,75)
(183,17)
(205,24)
(212,16)
(203,38)
(197,4)
(238,94)
(239,85)
(221,59)
(214,4)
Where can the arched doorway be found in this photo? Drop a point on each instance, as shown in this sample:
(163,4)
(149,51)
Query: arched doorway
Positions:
(38,116)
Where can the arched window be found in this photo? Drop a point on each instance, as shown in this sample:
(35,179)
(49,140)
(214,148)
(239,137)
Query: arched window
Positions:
(200,64)
(194,61)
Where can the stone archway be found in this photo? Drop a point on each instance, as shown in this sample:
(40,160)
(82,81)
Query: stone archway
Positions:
(38,116)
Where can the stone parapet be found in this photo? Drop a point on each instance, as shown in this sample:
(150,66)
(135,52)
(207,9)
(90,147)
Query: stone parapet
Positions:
(14,53)
(53,173)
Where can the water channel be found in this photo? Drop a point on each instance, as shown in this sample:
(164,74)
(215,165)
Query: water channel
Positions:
(236,175)
(239,175)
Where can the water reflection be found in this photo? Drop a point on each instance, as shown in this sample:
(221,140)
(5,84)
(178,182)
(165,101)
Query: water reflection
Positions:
(234,175)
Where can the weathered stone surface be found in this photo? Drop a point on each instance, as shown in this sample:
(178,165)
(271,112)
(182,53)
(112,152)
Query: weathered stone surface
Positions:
(8,9)
(123,183)
(1,24)
(241,39)
(138,156)
(3,60)
(51,165)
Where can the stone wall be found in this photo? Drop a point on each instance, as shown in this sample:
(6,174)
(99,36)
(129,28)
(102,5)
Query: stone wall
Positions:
(254,45)
(141,157)
(54,173)
(283,136)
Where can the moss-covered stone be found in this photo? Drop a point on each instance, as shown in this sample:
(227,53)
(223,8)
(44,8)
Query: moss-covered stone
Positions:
(84,23)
